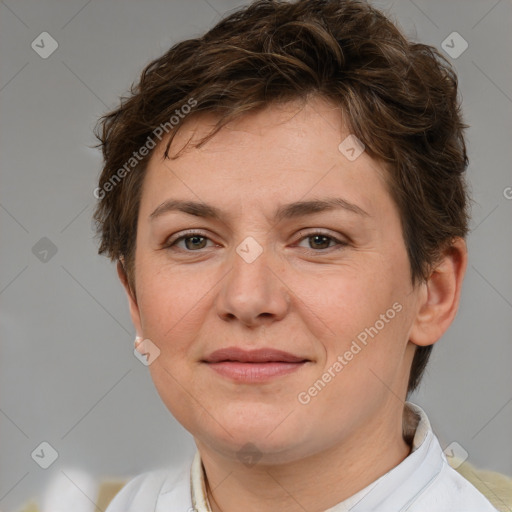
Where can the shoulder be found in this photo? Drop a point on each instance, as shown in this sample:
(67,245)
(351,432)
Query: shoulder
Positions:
(497,487)
(154,491)
(442,488)
(451,492)
(142,490)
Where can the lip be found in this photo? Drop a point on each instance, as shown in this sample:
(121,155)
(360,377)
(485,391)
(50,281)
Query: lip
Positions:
(253,365)
(260,355)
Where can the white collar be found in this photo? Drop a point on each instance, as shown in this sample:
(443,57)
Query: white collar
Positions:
(419,469)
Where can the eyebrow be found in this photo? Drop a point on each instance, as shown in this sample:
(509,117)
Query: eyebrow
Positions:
(287,211)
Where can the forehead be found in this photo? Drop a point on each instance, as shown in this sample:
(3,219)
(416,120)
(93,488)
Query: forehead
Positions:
(279,154)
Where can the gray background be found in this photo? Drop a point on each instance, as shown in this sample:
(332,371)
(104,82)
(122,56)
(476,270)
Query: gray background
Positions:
(67,372)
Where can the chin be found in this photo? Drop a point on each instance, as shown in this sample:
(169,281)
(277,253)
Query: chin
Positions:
(267,439)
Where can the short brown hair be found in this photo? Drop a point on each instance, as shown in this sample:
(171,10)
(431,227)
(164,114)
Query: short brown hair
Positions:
(397,96)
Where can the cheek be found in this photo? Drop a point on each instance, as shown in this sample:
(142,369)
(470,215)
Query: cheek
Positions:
(365,312)
(172,310)
(169,295)
(348,298)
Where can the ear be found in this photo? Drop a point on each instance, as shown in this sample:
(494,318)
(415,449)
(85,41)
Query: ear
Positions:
(440,296)
(132,299)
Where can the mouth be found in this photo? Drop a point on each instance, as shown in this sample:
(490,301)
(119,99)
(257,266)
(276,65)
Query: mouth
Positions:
(253,365)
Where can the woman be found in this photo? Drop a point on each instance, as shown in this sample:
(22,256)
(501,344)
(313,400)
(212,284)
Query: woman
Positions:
(285,201)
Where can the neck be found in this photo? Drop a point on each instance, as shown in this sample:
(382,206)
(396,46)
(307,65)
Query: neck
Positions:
(314,483)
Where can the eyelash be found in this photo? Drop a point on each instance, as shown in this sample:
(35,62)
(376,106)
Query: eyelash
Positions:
(191,234)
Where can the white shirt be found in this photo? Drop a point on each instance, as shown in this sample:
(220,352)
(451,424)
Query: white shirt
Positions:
(422,482)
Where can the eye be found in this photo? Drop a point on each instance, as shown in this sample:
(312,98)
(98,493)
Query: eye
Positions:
(193,241)
(319,241)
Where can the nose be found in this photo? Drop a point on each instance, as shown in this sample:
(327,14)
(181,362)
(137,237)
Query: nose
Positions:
(253,292)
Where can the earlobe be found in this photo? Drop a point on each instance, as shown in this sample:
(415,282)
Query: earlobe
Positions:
(440,297)
(132,299)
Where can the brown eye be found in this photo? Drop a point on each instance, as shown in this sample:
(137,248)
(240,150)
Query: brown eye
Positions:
(322,241)
(190,242)
(195,242)
(319,241)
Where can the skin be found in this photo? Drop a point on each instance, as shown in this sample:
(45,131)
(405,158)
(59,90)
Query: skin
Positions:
(306,295)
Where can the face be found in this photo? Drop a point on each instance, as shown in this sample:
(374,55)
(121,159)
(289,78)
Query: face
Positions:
(304,255)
